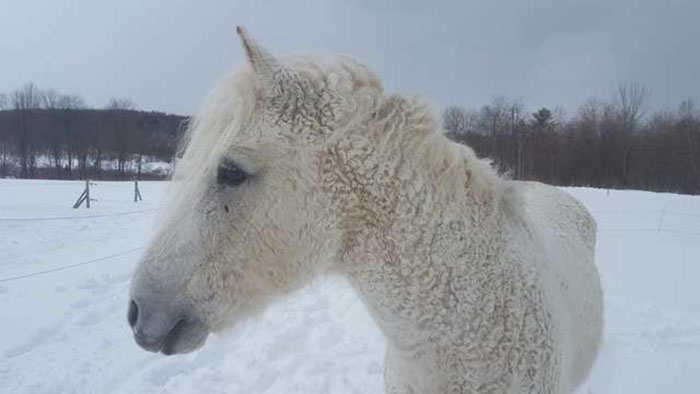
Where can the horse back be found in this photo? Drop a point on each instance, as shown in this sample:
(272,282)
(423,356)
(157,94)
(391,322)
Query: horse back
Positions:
(566,232)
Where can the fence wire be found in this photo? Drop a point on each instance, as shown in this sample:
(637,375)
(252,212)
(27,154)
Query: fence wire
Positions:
(660,228)
(69,266)
(76,217)
(51,218)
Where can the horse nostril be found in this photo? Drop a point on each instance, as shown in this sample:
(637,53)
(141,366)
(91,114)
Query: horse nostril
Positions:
(173,336)
(133,313)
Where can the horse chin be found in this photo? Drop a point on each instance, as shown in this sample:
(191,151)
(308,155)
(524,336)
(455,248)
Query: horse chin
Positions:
(184,338)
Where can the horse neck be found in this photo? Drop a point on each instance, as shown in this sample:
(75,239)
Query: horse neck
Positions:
(407,197)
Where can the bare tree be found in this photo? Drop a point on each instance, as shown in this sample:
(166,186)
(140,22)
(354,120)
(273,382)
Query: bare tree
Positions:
(462,125)
(4,138)
(458,121)
(629,106)
(687,110)
(492,119)
(27,97)
(50,99)
(25,100)
(120,104)
(688,125)
(121,132)
(630,101)
(74,138)
(520,133)
(55,139)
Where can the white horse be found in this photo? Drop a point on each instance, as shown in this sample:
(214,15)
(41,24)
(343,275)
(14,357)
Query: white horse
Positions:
(304,167)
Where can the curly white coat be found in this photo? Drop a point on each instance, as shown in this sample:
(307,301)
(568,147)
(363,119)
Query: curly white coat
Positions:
(481,285)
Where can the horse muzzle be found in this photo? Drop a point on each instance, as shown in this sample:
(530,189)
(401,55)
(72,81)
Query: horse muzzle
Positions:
(169,332)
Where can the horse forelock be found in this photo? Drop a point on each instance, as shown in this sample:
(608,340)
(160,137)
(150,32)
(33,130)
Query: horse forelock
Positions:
(231,103)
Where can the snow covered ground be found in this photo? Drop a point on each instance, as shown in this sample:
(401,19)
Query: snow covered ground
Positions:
(64,277)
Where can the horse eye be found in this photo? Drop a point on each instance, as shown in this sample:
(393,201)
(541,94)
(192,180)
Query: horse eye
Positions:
(230,174)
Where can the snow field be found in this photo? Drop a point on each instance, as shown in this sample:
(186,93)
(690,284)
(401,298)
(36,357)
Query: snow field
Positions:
(64,277)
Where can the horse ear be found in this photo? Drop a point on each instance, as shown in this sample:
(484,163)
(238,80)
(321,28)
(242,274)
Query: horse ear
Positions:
(265,66)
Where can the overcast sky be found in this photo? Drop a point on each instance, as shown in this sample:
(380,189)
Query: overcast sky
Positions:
(166,54)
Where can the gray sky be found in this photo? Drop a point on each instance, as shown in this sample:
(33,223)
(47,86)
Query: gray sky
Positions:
(166,54)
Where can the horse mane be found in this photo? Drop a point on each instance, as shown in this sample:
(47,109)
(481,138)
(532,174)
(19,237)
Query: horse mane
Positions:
(452,167)
(230,104)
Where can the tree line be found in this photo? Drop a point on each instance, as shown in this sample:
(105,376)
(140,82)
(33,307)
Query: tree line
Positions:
(607,144)
(47,134)
(612,143)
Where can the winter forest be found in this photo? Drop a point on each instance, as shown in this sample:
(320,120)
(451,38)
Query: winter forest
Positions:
(619,143)
(47,134)
(615,143)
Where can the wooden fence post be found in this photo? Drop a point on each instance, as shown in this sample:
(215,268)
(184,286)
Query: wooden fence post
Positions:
(661,221)
(87,193)
(84,196)
(137,192)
